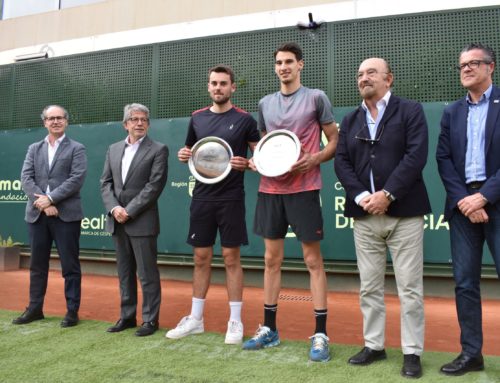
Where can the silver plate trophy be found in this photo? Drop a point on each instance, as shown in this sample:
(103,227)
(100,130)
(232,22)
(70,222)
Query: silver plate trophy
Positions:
(210,158)
(276,152)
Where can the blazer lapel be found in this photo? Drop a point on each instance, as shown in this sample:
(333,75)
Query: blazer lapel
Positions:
(115,158)
(141,152)
(44,154)
(392,107)
(62,147)
(461,130)
(491,119)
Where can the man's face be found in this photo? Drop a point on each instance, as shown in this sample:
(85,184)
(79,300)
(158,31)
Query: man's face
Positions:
(137,126)
(220,87)
(373,79)
(287,67)
(479,76)
(55,122)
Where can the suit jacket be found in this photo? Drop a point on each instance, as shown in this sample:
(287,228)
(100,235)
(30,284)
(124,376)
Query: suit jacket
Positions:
(397,159)
(139,194)
(65,178)
(452,147)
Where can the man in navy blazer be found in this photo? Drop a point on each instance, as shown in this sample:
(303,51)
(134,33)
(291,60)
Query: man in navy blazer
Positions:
(381,153)
(53,174)
(468,156)
(134,175)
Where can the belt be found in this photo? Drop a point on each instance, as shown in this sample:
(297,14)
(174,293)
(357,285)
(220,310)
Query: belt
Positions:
(475,185)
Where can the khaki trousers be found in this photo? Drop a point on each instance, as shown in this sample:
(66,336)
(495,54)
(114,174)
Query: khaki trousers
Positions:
(403,237)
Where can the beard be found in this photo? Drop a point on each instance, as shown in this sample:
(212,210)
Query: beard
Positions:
(221,100)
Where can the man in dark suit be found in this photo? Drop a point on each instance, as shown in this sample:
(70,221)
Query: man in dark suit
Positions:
(53,174)
(134,175)
(469,165)
(381,153)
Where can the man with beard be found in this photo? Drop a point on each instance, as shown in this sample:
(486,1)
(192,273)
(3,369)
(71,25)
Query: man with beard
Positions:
(380,157)
(219,206)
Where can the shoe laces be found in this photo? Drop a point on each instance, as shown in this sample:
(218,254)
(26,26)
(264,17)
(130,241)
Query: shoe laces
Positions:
(319,341)
(234,326)
(184,321)
(261,332)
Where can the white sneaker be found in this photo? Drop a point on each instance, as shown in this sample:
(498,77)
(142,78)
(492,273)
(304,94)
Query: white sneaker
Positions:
(187,326)
(234,334)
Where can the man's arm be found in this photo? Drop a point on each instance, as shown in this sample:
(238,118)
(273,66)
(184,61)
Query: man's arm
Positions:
(107,186)
(310,160)
(29,186)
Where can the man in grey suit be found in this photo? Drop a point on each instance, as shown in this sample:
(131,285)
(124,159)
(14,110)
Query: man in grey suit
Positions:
(134,175)
(53,174)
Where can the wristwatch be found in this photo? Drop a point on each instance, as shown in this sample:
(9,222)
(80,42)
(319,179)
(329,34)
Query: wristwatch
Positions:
(389,196)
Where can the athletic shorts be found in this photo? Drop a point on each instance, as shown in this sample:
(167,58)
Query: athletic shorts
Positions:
(302,211)
(226,216)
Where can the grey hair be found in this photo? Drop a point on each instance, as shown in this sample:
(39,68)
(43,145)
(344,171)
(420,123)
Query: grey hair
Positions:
(44,111)
(129,108)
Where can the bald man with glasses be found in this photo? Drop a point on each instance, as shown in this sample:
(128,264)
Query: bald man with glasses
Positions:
(381,153)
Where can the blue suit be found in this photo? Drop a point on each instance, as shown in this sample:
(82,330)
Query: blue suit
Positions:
(65,178)
(467,238)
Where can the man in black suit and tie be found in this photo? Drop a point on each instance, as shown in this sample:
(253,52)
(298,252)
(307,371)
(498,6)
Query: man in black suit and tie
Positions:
(53,174)
(134,175)
(468,156)
(381,153)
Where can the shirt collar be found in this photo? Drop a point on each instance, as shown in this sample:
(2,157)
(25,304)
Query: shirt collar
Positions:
(484,98)
(382,103)
(127,142)
(56,142)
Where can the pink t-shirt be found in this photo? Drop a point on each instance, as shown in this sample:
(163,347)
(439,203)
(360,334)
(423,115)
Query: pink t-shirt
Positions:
(302,112)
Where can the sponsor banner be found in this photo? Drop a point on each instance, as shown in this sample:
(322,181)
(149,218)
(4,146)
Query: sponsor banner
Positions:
(176,197)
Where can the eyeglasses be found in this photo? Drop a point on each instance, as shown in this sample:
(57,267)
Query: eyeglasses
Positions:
(473,64)
(55,118)
(370,73)
(360,135)
(135,120)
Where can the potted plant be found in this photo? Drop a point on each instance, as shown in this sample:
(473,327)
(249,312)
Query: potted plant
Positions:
(9,254)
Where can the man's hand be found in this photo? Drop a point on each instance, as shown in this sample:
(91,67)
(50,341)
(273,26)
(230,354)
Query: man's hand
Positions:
(42,202)
(471,203)
(479,216)
(376,203)
(120,214)
(184,154)
(51,211)
(251,164)
(239,163)
(306,162)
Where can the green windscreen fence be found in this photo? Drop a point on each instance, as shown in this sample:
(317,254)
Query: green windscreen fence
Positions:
(171,77)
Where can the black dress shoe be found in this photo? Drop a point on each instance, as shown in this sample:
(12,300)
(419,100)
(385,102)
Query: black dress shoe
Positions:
(29,316)
(411,366)
(367,356)
(147,328)
(463,364)
(123,324)
(70,319)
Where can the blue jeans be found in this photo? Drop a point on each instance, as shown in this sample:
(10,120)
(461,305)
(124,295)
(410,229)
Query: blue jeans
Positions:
(467,241)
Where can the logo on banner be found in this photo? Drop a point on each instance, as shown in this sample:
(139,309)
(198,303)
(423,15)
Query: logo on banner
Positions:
(12,192)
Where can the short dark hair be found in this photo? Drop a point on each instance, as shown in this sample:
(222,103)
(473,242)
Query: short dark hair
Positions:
(222,68)
(489,54)
(290,47)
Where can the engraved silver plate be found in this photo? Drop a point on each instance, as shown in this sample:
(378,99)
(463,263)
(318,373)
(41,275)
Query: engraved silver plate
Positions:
(276,152)
(210,158)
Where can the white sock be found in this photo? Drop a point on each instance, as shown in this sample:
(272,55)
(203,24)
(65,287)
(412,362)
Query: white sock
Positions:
(235,308)
(197,306)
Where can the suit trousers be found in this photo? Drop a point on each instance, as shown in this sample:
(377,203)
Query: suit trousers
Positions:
(66,235)
(137,255)
(467,241)
(403,237)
